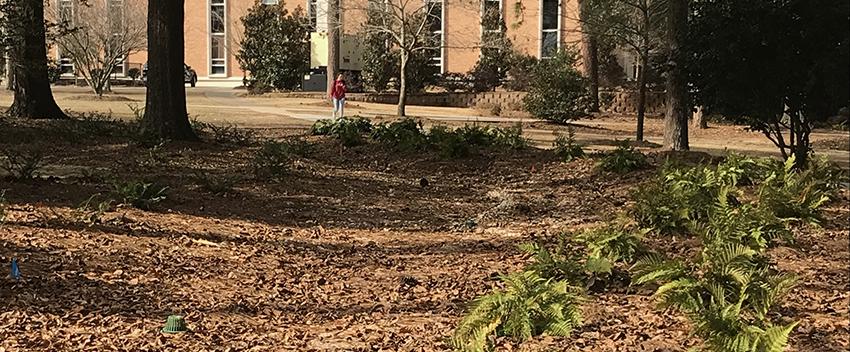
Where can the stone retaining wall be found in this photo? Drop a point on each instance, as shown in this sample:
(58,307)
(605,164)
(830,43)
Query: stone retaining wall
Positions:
(621,102)
(625,102)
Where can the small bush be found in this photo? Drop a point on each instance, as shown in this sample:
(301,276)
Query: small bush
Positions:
(91,211)
(231,134)
(528,306)
(624,159)
(613,243)
(521,72)
(139,194)
(454,82)
(215,184)
(349,131)
(566,148)
(449,145)
(272,160)
(22,165)
(790,193)
(727,293)
(405,135)
(510,137)
(558,92)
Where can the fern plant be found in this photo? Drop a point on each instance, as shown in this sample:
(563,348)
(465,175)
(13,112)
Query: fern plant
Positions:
(746,224)
(795,194)
(726,295)
(557,265)
(528,306)
(406,135)
(613,242)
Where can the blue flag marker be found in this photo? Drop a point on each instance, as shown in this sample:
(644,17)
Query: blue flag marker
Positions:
(16,272)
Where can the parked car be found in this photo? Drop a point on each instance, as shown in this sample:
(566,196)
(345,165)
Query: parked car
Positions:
(189,75)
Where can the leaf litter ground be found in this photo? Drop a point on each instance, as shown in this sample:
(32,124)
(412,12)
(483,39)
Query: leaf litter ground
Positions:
(347,253)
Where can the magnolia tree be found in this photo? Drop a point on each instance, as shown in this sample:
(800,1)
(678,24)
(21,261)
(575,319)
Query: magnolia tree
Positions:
(98,35)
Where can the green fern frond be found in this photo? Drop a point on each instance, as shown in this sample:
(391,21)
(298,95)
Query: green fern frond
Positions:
(775,339)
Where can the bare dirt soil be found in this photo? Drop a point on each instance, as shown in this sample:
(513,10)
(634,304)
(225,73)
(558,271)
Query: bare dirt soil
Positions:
(346,253)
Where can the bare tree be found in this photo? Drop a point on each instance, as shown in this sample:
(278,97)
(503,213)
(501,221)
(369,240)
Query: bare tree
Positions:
(98,35)
(634,24)
(407,26)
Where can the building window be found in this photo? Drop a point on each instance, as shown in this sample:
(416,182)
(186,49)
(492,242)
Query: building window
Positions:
(115,16)
(66,15)
(312,13)
(270,2)
(435,24)
(218,29)
(550,21)
(491,16)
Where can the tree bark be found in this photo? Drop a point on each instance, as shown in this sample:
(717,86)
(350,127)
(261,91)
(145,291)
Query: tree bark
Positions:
(402,83)
(676,117)
(590,55)
(28,57)
(641,103)
(165,109)
(698,121)
(333,42)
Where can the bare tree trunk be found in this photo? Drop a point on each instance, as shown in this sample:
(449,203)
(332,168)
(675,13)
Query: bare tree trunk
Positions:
(165,108)
(33,97)
(641,103)
(590,55)
(402,84)
(333,42)
(698,120)
(10,75)
(676,117)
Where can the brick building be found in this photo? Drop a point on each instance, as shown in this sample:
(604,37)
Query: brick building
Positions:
(212,30)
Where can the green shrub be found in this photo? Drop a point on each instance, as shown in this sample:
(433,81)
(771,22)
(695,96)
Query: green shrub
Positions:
(624,159)
(448,143)
(91,211)
(272,160)
(746,171)
(274,47)
(349,131)
(566,148)
(561,264)
(613,243)
(215,184)
(528,306)
(521,72)
(454,82)
(22,165)
(510,137)
(230,133)
(678,196)
(790,193)
(406,135)
(139,194)
(727,294)
(558,92)
(746,224)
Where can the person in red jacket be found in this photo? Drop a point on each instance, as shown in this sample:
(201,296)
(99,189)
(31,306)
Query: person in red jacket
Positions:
(338,96)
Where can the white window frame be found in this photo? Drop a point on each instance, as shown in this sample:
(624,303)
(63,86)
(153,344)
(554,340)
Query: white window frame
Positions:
(225,60)
(270,2)
(66,63)
(122,62)
(541,30)
(442,33)
(501,18)
(313,14)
